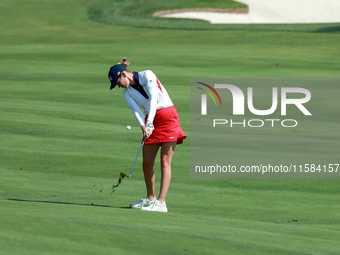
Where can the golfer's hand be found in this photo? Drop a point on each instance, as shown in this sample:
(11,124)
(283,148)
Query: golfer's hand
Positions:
(150,126)
(145,131)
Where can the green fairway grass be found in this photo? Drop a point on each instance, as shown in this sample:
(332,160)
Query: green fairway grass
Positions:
(63,141)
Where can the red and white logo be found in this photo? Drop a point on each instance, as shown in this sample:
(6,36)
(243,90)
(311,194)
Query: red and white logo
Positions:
(159,85)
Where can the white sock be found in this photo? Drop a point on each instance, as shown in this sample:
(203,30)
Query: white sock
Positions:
(159,202)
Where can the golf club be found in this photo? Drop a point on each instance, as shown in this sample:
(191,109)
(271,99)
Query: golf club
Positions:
(122,175)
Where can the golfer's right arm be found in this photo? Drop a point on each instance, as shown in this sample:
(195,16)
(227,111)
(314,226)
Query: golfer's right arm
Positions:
(137,112)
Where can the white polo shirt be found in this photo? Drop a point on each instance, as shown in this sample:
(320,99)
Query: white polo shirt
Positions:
(149,93)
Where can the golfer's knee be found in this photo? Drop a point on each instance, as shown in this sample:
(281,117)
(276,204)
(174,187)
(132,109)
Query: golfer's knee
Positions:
(166,163)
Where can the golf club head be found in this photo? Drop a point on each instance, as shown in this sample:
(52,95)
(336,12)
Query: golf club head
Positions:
(121,177)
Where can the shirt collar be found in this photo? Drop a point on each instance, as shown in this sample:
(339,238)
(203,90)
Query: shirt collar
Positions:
(136,78)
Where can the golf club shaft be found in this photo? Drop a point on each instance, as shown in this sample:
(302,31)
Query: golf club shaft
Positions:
(137,156)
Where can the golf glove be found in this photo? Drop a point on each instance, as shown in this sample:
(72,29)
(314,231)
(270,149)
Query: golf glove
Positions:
(150,126)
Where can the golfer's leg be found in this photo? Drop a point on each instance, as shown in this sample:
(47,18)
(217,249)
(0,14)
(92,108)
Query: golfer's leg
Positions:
(167,151)
(149,155)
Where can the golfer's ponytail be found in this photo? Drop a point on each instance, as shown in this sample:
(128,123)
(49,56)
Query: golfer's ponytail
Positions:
(124,62)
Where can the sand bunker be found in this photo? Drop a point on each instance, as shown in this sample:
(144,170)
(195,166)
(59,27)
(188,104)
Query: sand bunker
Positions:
(272,12)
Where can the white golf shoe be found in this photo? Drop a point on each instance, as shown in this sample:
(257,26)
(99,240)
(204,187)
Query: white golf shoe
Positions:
(155,206)
(144,202)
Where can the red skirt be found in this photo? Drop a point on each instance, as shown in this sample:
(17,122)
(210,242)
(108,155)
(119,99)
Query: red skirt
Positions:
(167,127)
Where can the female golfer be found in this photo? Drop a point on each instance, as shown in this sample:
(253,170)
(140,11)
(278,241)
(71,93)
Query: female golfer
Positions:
(160,126)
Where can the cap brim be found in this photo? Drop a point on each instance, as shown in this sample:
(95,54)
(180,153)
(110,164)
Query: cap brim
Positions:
(114,74)
(113,84)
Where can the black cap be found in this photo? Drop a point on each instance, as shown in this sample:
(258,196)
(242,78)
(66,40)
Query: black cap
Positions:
(114,74)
